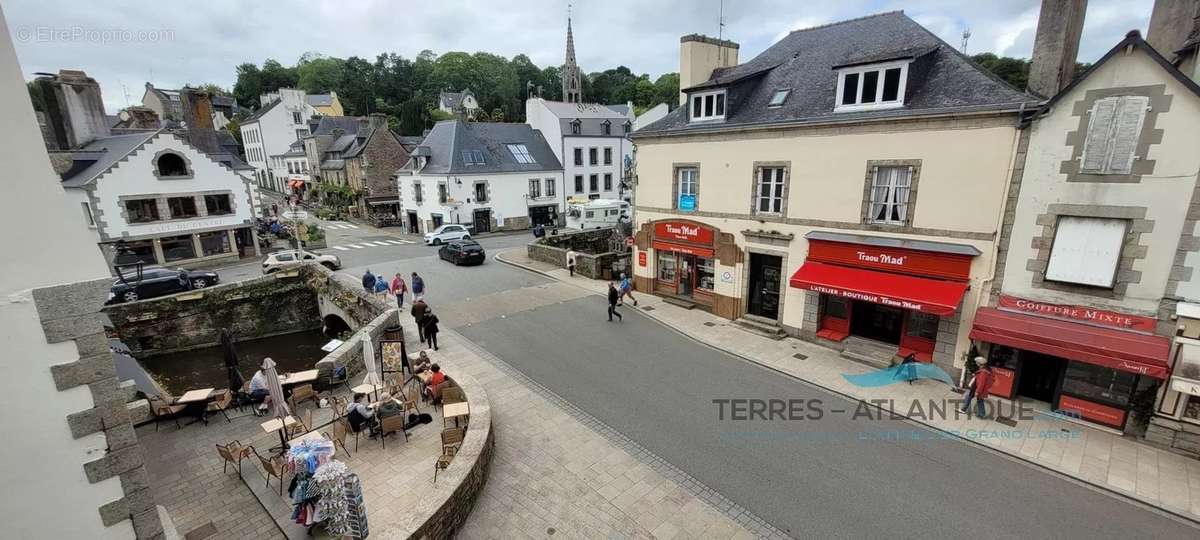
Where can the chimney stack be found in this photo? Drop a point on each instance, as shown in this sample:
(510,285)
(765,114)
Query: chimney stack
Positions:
(198,118)
(378,120)
(1056,45)
(1170,24)
(699,56)
(74,109)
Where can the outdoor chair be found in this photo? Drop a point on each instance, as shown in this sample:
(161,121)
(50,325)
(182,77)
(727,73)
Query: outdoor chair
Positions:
(390,424)
(302,393)
(304,424)
(452,439)
(221,404)
(233,452)
(454,394)
(339,406)
(274,466)
(341,429)
(163,408)
(442,462)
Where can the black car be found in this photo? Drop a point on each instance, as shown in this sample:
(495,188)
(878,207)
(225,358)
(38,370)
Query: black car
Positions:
(462,252)
(154,281)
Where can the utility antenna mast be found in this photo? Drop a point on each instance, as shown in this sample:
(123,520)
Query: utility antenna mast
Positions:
(965,37)
(721,21)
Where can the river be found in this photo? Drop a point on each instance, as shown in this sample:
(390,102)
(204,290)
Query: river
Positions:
(205,368)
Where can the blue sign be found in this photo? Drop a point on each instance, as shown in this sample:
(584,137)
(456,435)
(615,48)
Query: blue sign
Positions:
(687,202)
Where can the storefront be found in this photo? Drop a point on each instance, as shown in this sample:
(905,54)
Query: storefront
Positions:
(891,291)
(684,263)
(1082,361)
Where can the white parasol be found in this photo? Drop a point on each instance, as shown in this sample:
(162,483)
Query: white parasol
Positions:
(372,377)
(279,408)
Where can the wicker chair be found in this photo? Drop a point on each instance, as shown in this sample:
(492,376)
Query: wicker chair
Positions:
(163,408)
(274,466)
(221,404)
(341,430)
(390,424)
(233,452)
(302,393)
(442,462)
(452,439)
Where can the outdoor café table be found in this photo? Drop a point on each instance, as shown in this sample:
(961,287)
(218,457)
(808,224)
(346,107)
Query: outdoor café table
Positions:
(365,388)
(276,424)
(196,400)
(288,379)
(454,410)
(423,377)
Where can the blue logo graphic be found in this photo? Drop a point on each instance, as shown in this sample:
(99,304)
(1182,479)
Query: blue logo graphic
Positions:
(687,203)
(910,371)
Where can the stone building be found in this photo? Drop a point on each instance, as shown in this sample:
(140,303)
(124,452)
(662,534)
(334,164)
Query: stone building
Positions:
(362,153)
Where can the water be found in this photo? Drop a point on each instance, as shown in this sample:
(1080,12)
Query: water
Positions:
(205,368)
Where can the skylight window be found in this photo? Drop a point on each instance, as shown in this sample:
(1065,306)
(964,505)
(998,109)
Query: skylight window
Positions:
(521,153)
(473,157)
(779,97)
(870,87)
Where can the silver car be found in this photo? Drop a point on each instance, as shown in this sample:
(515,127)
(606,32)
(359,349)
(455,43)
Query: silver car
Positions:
(282,260)
(446,233)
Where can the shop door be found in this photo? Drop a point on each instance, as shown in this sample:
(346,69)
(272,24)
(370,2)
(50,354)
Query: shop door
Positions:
(541,215)
(877,322)
(437,220)
(687,274)
(1040,375)
(765,274)
(483,220)
(413,223)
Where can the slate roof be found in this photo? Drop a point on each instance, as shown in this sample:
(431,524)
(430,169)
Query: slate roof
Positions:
(96,157)
(940,79)
(622,109)
(261,111)
(232,161)
(449,138)
(327,124)
(410,142)
(320,100)
(591,117)
(452,100)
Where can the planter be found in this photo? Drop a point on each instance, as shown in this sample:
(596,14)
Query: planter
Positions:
(315,244)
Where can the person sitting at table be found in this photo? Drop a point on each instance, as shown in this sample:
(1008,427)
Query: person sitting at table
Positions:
(422,363)
(437,378)
(388,406)
(360,414)
(259,392)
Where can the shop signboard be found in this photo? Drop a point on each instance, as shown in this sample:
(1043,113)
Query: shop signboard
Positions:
(1095,412)
(641,258)
(683,231)
(687,203)
(900,260)
(1002,382)
(1098,317)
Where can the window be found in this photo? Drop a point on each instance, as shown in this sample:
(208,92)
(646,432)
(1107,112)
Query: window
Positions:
(575,127)
(607,181)
(473,157)
(666,266)
(535,188)
(870,87)
(589,214)
(768,194)
(142,210)
(87,214)
(1112,135)
(608,156)
(578,156)
(217,204)
(704,274)
(549,187)
(418,193)
(182,207)
(688,184)
(889,195)
(922,325)
(1099,383)
(593,183)
(481,192)
(606,127)
(521,153)
(708,106)
(285,257)
(835,306)
(301,133)
(443,193)
(290,170)
(139,251)
(214,243)
(628,127)
(579,183)
(296,118)
(779,97)
(1086,250)
(171,164)
(178,248)
(592,156)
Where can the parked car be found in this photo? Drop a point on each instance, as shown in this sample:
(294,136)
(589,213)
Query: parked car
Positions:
(155,281)
(462,252)
(446,233)
(281,260)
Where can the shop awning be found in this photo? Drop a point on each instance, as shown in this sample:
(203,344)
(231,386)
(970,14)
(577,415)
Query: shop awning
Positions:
(1111,348)
(933,296)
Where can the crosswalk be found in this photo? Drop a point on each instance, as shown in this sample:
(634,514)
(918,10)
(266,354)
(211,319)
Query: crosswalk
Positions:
(375,243)
(341,225)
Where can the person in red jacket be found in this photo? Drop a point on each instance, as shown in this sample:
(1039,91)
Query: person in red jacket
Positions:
(979,388)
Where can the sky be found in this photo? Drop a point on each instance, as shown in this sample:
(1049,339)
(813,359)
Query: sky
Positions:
(125,43)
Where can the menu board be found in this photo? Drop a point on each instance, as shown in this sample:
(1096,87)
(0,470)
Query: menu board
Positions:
(393,355)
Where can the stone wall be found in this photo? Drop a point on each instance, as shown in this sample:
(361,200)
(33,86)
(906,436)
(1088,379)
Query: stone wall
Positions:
(591,246)
(1182,437)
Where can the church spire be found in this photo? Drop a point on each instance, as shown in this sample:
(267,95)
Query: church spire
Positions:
(572,85)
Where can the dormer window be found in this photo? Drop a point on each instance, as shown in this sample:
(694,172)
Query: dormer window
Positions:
(872,87)
(779,97)
(575,126)
(708,106)
(606,127)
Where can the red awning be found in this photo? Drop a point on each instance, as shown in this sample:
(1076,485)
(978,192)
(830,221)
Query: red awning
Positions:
(690,250)
(1108,347)
(931,296)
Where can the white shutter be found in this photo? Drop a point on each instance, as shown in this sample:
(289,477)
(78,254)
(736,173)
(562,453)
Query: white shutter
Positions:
(1086,250)
(1096,144)
(1129,118)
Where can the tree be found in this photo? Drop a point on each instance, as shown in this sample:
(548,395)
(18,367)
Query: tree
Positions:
(213,89)
(234,127)
(356,88)
(666,90)
(1015,71)
(35,96)
(249,85)
(319,75)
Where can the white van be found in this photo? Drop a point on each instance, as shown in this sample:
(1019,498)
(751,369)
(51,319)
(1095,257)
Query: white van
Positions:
(596,214)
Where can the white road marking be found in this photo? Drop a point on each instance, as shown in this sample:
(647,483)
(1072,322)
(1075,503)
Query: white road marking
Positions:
(340,248)
(355,246)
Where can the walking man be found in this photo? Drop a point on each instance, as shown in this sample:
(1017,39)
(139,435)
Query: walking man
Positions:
(419,308)
(399,288)
(381,285)
(979,388)
(613,298)
(571,261)
(418,286)
(431,329)
(626,289)
(368,281)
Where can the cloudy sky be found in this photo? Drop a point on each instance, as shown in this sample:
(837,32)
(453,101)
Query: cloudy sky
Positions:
(124,43)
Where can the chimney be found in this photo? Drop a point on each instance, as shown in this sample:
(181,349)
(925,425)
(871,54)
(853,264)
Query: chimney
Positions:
(74,109)
(378,120)
(198,118)
(1170,23)
(699,56)
(1056,45)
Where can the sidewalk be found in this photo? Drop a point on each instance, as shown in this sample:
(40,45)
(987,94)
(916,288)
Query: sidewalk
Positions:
(1102,459)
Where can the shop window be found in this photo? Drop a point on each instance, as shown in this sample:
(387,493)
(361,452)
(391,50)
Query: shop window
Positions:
(922,325)
(218,204)
(770,192)
(890,188)
(140,251)
(1098,383)
(704,274)
(1002,356)
(178,248)
(835,306)
(666,266)
(182,207)
(1086,250)
(171,164)
(214,243)
(141,210)
(1191,410)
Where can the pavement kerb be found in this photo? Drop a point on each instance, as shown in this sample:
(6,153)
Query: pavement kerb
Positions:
(1079,481)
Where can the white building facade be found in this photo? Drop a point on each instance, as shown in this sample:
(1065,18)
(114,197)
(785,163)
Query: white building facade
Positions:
(268,135)
(592,143)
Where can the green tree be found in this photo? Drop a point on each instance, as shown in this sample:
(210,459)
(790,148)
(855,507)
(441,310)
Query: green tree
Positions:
(319,75)
(357,87)
(212,88)
(234,127)
(666,90)
(249,85)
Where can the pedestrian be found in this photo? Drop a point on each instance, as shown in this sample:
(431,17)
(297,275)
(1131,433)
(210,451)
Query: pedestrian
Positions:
(431,328)
(626,288)
(571,261)
(274,209)
(418,312)
(613,298)
(399,288)
(979,388)
(368,281)
(381,286)
(418,286)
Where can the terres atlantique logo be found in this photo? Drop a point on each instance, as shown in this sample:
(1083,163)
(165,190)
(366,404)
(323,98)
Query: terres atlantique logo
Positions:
(911,371)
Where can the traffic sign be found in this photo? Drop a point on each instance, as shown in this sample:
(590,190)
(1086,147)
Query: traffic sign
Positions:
(629,241)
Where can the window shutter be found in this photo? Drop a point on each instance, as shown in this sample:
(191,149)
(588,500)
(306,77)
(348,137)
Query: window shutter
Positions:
(1096,144)
(1126,131)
